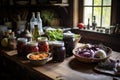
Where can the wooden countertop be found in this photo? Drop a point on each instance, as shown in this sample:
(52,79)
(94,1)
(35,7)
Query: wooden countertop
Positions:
(69,69)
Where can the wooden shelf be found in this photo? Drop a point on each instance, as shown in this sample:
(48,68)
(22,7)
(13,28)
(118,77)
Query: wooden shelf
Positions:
(37,5)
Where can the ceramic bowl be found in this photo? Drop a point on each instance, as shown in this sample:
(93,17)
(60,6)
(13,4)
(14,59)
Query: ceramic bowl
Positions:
(38,58)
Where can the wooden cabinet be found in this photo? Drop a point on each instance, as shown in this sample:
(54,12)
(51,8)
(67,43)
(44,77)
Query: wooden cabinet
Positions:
(11,11)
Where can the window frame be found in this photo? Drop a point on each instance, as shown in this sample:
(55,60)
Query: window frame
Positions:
(113,20)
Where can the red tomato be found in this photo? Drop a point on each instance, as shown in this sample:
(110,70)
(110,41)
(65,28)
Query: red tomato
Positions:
(80,25)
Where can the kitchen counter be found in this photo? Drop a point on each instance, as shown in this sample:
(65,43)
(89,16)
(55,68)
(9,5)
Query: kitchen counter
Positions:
(69,69)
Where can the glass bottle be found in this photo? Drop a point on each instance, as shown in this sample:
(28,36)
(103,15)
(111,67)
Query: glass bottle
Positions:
(33,21)
(94,24)
(35,33)
(39,22)
(88,25)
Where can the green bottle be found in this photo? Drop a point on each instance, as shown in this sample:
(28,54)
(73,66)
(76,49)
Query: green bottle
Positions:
(35,33)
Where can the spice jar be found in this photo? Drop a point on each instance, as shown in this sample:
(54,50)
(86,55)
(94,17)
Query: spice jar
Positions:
(59,51)
(21,46)
(43,44)
(12,41)
(32,47)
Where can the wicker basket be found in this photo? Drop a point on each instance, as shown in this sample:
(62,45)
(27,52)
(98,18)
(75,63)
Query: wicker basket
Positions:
(92,60)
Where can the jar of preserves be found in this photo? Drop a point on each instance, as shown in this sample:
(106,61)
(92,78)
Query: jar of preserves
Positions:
(69,43)
(59,51)
(21,46)
(43,44)
(31,47)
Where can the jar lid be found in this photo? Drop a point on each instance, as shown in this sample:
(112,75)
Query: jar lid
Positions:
(68,34)
(42,39)
(32,43)
(22,39)
(58,43)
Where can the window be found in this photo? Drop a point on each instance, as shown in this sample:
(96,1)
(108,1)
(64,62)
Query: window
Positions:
(101,9)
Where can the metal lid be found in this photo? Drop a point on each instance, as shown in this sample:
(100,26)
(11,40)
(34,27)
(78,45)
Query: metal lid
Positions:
(58,43)
(22,39)
(32,43)
(42,39)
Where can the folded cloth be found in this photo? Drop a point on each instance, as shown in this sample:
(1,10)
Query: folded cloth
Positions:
(107,65)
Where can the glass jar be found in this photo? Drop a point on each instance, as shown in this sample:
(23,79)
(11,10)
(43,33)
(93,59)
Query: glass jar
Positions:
(59,51)
(69,43)
(12,43)
(43,44)
(21,46)
(32,47)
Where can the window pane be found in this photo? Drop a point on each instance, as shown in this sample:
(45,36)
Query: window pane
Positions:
(87,2)
(97,13)
(106,16)
(87,14)
(107,2)
(98,2)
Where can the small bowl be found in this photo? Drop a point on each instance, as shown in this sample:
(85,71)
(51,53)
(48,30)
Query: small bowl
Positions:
(36,59)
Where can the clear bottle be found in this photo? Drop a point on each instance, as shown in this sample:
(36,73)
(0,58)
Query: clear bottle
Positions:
(39,22)
(33,21)
(35,33)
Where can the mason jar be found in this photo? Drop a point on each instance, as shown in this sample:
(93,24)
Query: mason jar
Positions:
(21,46)
(59,51)
(43,44)
(69,42)
(31,47)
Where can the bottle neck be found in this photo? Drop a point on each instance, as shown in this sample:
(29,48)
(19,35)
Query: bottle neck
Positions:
(94,19)
(36,27)
(38,14)
(33,15)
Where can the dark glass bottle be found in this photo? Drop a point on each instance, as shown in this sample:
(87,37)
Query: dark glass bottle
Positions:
(88,25)
(94,24)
